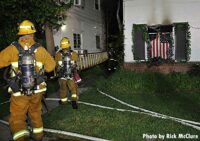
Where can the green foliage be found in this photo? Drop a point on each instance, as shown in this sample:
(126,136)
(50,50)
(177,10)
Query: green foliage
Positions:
(120,48)
(185,27)
(156,91)
(156,61)
(39,12)
(107,124)
(116,46)
(135,82)
(195,70)
(171,94)
(170,51)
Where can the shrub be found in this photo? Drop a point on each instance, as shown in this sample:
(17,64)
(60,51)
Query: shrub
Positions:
(195,70)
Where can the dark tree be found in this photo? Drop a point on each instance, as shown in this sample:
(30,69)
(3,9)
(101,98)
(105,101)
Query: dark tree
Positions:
(113,13)
(45,14)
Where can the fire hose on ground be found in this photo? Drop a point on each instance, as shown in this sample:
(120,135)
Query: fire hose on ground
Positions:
(189,123)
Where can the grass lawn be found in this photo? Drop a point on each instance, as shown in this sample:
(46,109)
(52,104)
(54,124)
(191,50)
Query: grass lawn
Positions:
(174,94)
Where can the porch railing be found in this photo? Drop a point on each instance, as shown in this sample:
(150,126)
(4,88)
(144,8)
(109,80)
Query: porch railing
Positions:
(91,59)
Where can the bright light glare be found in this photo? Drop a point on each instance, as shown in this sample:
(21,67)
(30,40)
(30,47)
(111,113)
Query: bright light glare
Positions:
(63,27)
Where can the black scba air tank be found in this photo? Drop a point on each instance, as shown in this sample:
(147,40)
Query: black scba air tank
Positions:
(67,70)
(27,68)
(24,77)
(67,66)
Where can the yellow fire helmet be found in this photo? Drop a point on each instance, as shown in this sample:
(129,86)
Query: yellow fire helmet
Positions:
(26,27)
(65,43)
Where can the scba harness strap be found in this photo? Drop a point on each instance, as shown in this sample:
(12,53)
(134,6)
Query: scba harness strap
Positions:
(21,49)
(27,79)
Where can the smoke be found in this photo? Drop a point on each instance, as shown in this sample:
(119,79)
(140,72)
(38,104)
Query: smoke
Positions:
(159,12)
(152,15)
(166,12)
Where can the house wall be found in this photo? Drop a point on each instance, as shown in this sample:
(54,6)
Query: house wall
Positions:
(86,21)
(153,12)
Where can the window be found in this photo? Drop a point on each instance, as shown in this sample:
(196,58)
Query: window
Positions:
(160,45)
(98,42)
(163,43)
(77,41)
(97,4)
(160,38)
(139,50)
(79,3)
(182,48)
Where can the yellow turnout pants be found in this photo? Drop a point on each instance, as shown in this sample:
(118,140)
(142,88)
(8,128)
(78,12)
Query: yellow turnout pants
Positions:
(20,107)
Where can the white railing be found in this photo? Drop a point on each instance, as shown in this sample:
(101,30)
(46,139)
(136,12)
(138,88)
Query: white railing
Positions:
(91,59)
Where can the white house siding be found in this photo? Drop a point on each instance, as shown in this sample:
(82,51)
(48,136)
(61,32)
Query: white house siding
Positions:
(86,21)
(153,12)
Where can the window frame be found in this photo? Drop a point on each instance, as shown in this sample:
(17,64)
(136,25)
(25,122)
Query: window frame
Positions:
(79,3)
(98,42)
(97,5)
(77,39)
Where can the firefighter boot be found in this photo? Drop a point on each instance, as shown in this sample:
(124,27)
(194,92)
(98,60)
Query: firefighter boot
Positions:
(63,101)
(74,100)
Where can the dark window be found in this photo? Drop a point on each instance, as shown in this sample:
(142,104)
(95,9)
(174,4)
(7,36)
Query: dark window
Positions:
(98,42)
(77,41)
(180,54)
(97,4)
(79,3)
(139,52)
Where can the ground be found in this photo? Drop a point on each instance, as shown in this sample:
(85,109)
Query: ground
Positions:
(174,94)
(5,132)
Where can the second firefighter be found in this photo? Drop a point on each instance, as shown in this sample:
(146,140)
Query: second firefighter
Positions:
(66,69)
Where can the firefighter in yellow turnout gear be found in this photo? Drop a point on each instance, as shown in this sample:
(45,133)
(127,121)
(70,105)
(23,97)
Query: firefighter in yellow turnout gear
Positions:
(27,58)
(66,67)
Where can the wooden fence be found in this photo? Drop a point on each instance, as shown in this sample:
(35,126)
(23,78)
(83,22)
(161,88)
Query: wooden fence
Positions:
(91,59)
